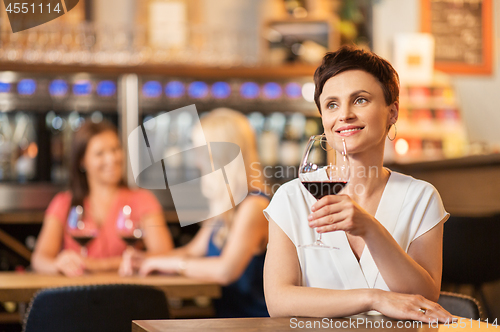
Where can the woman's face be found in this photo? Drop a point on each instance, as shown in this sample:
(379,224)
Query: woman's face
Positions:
(103,159)
(353,107)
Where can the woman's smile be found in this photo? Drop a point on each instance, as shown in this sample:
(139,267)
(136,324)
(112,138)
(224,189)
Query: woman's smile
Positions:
(346,131)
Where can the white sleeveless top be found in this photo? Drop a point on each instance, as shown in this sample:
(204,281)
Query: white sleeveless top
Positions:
(408,208)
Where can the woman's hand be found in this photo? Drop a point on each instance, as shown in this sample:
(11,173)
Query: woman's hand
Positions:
(131,262)
(70,263)
(407,306)
(340,213)
(168,265)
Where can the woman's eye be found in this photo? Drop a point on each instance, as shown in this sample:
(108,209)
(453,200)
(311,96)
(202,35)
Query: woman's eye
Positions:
(331,106)
(360,101)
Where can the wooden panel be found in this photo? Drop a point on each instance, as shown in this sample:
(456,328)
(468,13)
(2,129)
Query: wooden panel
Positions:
(469,191)
(468,186)
(15,245)
(359,323)
(22,217)
(286,71)
(20,287)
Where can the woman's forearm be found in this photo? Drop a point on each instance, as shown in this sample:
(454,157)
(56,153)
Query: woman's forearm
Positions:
(43,264)
(287,301)
(103,264)
(400,272)
(209,268)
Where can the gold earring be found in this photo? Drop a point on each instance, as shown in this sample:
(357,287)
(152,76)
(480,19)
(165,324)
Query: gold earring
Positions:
(395,133)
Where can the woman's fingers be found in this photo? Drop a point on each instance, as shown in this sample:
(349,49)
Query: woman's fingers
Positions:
(137,259)
(428,311)
(131,261)
(125,266)
(146,268)
(71,269)
(325,211)
(435,311)
(329,223)
(327,200)
(70,263)
(416,307)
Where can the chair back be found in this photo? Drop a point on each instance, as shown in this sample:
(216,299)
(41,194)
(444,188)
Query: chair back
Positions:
(470,248)
(460,305)
(95,308)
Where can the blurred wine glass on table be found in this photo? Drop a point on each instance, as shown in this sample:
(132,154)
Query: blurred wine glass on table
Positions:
(79,230)
(128,230)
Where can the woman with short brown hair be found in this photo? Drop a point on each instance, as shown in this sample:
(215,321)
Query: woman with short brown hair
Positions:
(389,232)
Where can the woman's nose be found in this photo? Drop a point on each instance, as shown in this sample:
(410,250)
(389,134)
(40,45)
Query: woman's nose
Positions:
(112,158)
(346,113)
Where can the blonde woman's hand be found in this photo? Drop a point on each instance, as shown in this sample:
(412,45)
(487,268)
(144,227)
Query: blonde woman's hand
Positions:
(168,265)
(340,213)
(408,306)
(131,261)
(70,263)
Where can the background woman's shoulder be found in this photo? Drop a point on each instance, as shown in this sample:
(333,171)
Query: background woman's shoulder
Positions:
(59,205)
(144,201)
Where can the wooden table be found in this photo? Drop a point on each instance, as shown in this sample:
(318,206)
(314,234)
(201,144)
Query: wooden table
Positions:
(354,323)
(20,287)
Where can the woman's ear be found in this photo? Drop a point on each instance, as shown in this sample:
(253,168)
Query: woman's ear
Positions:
(393,113)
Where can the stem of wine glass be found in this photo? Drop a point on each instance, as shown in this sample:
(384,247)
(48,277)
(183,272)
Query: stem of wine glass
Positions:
(84,251)
(319,241)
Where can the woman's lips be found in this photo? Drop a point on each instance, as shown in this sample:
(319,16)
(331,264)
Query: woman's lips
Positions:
(349,132)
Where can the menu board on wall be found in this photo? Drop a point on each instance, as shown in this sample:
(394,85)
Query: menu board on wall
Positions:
(462,30)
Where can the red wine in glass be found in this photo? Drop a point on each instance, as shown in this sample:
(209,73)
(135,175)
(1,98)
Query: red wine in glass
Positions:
(127,229)
(83,239)
(320,189)
(324,170)
(79,230)
(133,238)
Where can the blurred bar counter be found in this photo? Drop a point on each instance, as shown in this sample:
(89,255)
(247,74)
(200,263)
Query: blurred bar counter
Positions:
(469,186)
(283,71)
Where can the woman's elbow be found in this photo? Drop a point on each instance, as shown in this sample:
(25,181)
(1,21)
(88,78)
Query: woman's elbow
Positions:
(275,308)
(275,304)
(37,262)
(225,275)
(224,280)
(434,295)
(34,263)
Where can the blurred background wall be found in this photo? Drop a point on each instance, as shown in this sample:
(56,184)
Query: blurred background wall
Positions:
(479,95)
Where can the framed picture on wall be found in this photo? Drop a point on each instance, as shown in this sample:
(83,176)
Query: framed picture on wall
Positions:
(463,34)
(299,40)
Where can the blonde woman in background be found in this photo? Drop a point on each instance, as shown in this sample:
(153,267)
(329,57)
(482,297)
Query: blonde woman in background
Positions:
(229,248)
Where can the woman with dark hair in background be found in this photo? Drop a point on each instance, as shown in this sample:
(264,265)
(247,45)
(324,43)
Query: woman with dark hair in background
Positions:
(96,184)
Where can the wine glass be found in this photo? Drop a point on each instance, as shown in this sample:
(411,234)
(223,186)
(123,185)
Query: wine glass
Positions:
(129,231)
(324,170)
(79,230)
